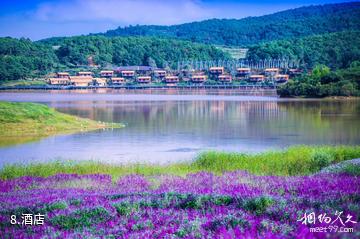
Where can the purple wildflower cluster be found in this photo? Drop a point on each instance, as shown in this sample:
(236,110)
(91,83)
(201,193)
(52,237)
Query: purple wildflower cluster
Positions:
(202,205)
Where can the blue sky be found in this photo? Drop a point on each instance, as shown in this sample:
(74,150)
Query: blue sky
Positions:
(38,19)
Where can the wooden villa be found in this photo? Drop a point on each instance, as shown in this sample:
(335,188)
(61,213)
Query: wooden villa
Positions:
(81,80)
(295,72)
(62,75)
(271,71)
(225,78)
(118,80)
(100,81)
(216,70)
(58,81)
(281,78)
(126,73)
(198,78)
(171,79)
(159,73)
(107,73)
(85,73)
(243,72)
(257,78)
(144,79)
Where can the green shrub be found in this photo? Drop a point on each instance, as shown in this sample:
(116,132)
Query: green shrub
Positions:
(229,221)
(223,200)
(126,208)
(352,169)
(81,218)
(257,205)
(320,159)
(75,202)
(56,206)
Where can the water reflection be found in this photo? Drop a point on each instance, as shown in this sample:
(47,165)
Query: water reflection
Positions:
(311,122)
(164,131)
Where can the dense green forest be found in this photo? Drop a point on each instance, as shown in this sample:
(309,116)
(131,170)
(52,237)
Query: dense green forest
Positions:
(323,82)
(132,51)
(335,50)
(288,24)
(21,58)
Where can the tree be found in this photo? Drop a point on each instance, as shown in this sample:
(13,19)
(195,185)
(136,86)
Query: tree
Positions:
(151,62)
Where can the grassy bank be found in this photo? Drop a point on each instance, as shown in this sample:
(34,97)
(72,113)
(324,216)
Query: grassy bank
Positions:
(30,82)
(299,160)
(30,120)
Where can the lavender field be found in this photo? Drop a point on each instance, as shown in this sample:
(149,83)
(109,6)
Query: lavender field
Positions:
(201,205)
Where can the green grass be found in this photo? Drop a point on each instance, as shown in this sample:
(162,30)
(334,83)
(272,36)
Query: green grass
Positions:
(293,161)
(27,119)
(352,169)
(25,122)
(24,83)
(297,160)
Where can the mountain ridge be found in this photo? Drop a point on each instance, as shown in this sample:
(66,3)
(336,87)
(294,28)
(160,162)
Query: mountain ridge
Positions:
(297,22)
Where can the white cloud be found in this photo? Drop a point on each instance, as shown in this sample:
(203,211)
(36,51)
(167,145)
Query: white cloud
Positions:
(123,11)
(74,17)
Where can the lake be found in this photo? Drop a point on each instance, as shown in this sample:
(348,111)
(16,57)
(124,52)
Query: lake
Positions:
(167,126)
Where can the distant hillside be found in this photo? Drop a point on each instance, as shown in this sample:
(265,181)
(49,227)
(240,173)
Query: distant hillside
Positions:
(336,50)
(131,51)
(293,23)
(22,58)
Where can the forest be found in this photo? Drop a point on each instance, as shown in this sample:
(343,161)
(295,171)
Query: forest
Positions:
(287,24)
(132,51)
(22,58)
(322,82)
(335,50)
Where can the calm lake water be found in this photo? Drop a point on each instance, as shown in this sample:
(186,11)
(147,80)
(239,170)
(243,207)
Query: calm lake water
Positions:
(162,127)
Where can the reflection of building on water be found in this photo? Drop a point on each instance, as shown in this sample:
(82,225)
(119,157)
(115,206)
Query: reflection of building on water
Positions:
(298,121)
(160,110)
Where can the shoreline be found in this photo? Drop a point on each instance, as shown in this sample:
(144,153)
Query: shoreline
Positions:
(293,161)
(32,121)
(167,93)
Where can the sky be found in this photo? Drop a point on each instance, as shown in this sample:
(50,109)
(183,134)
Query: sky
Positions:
(39,19)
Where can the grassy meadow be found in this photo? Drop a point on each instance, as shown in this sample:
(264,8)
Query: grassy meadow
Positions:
(297,160)
(28,82)
(31,120)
